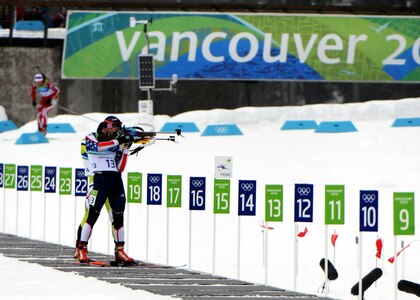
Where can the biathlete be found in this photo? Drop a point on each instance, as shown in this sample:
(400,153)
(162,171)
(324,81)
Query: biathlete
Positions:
(49,98)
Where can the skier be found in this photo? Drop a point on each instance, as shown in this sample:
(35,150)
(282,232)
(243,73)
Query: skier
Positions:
(107,154)
(49,97)
(89,175)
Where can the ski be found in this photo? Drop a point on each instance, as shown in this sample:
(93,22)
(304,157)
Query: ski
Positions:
(102,264)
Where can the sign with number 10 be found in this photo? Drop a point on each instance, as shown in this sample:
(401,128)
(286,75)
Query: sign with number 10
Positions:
(154,189)
(247,198)
(334,204)
(134,184)
(368,211)
(22,178)
(274,203)
(304,199)
(221,201)
(404,214)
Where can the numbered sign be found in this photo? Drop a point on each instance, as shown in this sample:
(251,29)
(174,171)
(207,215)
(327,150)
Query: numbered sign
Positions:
(65,181)
(36,179)
(81,182)
(50,179)
(368,219)
(22,178)
(1,175)
(173,191)
(247,198)
(154,189)
(334,204)
(221,201)
(404,214)
(273,203)
(197,193)
(304,199)
(134,187)
(9,176)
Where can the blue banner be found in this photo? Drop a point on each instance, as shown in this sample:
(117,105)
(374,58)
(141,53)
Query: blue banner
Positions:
(368,218)
(81,183)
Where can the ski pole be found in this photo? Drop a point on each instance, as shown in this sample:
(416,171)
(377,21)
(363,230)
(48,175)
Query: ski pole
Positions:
(77,114)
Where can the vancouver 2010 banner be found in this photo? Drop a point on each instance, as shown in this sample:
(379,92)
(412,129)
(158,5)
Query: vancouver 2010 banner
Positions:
(243,46)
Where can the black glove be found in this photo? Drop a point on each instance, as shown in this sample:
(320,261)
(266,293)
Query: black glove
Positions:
(125,139)
(48,102)
(34,103)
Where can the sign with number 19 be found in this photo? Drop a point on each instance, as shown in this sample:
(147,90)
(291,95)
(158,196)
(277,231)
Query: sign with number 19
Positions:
(134,184)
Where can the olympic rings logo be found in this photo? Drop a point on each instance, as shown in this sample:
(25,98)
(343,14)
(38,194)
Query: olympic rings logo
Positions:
(23,170)
(247,186)
(154,179)
(368,198)
(50,171)
(303,191)
(222,129)
(80,173)
(197,183)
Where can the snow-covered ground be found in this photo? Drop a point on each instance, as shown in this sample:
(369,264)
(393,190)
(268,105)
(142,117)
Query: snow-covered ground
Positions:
(376,157)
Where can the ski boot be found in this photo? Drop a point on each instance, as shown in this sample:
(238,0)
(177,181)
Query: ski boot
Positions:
(121,258)
(83,257)
(76,254)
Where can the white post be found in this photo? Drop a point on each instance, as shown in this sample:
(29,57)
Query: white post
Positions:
(214,245)
(59,219)
(326,287)
(360,297)
(75,217)
(189,240)
(4,208)
(295,264)
(239,249)
(147,233)
(167,235)
(45,213)
(266,253)
(395,269)
(30,215)
(17,212)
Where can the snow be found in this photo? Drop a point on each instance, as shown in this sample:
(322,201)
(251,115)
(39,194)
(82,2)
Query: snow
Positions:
(376,157)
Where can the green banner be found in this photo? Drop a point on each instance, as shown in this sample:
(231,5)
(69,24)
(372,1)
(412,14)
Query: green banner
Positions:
(65,181)
(404,220)
(221,202)
(174,191)
(274,203)
(36,179)
(9,176)
(334,204)
(243,46)
(134,187)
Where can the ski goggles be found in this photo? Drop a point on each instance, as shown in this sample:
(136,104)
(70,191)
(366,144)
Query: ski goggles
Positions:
(110,124)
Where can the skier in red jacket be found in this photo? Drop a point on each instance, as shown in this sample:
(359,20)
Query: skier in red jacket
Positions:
(49,97)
